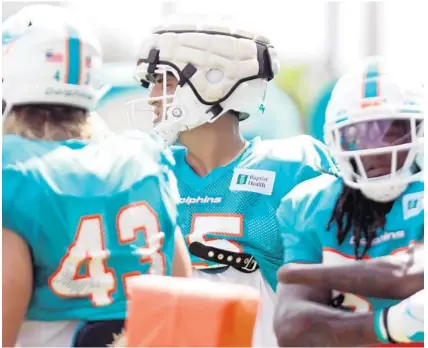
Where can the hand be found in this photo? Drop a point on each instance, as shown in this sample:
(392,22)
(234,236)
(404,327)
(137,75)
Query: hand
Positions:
(402,323)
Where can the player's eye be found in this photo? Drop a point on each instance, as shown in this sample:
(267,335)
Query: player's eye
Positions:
(159,78)
(170,80)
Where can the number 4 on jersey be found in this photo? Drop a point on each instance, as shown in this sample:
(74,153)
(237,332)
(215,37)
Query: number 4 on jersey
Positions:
(89,248)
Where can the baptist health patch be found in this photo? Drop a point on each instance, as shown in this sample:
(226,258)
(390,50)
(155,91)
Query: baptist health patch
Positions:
(253,180)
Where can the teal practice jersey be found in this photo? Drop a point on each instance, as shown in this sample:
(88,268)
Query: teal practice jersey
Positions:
(234,207)
(304,215)
(94,214)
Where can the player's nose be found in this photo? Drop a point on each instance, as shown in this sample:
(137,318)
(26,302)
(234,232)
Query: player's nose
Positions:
(156,90)
(154,102)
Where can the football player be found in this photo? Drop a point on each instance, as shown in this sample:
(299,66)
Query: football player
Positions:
(374,128)
(81,215)
(204,80)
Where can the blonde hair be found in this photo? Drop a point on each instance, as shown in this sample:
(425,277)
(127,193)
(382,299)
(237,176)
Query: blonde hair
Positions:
(48,122)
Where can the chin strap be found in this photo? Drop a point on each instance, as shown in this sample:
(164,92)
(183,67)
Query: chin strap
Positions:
(384,194)
(389,192)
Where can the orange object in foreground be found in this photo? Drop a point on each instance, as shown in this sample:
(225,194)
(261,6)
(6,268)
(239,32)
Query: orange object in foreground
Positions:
(187,312)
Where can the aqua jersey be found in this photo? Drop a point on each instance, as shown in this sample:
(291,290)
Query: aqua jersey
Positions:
(234,207)
(304,215)
(89,212)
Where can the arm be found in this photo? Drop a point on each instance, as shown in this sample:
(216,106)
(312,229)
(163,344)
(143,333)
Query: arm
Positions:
(302,308)
(303,317)
(17,283)
(394,276)
(181,266)
(319,158)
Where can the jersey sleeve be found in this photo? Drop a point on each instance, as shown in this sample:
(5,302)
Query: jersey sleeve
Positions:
(169,187)
(163,163)
(155,146)
(13,213)
(301,243)
(19,201)
(316,160)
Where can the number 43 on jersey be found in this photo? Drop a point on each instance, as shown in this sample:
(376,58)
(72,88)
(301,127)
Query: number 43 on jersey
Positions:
(88,247)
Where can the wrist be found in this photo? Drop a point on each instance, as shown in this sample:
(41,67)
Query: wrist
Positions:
(380,326)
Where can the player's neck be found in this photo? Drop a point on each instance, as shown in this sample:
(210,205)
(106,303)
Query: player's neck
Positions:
(213,145)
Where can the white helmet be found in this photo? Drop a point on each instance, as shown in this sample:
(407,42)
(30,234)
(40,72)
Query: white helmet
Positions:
(363,106)
(49,57)
(218,69)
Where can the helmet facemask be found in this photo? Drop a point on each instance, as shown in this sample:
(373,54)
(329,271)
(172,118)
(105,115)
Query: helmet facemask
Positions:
(377,150)
(166,110)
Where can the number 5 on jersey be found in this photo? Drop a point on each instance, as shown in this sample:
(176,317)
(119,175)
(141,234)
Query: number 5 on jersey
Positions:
(88,247)
(221,225)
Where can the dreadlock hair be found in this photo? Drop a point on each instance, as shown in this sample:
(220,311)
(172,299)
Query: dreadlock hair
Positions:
(353,211)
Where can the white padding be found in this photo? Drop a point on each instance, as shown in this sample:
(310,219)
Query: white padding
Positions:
(235,57)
